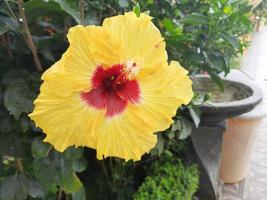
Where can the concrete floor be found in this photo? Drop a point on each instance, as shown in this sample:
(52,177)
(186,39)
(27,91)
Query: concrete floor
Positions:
(254,187)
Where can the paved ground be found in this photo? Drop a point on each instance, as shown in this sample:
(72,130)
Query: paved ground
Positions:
(255,186)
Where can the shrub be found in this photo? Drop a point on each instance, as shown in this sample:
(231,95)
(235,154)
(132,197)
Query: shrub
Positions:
(169,181)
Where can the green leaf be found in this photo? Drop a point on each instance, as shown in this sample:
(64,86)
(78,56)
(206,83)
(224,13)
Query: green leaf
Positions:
(195,19)
(170,134)
(24,123)
(8,23)
(34,189)
(136,9)
(19,98)
(186,128)
(79,165)
(216,61)
(176,126)
(45,6)
(168,24)
(79,194)
(217,80)
(71,7)
(39,148)
(230,39)
(70,182)
(195,116)
(18,187)
(46,171)
(73,153)
(160,144)
(13,187)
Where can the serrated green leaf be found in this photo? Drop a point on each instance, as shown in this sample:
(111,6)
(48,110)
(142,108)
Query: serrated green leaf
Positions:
(39,148)
(19,98)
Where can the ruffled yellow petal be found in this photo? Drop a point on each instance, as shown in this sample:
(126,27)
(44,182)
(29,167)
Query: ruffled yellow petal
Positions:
(66,121)
(125,138)
(140,38)
(58,83)
(163,91)
(88,49)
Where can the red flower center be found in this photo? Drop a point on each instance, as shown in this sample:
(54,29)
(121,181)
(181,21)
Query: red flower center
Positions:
(112,90)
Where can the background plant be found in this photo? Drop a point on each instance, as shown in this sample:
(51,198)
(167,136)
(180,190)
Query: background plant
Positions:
(204,36)
(169,180)
(260,12)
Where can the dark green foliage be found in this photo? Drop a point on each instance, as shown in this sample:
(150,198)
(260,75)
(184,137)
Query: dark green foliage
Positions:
(204,36)
(261,11)
(169,180)
(18,187)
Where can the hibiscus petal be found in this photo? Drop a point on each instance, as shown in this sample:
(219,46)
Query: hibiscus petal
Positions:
(140,38)
(66,121)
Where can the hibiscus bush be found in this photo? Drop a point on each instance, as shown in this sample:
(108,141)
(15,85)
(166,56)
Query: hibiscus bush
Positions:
(204,36)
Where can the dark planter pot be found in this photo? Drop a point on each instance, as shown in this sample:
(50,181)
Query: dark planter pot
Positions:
(206,140)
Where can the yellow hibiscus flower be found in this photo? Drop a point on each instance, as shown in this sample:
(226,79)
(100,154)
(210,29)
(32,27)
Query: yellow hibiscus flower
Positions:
(112,89)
